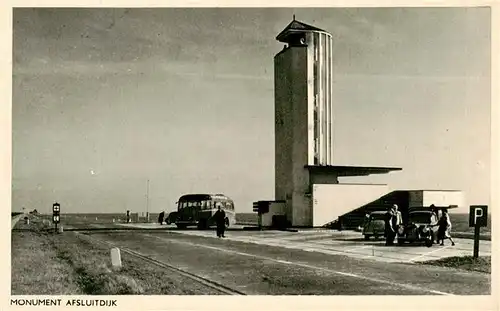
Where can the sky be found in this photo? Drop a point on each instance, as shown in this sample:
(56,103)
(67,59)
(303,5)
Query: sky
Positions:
(105,99)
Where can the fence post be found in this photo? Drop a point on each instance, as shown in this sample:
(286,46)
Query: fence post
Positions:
(116,260)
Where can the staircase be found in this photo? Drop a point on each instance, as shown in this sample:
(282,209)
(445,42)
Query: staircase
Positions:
(355,218)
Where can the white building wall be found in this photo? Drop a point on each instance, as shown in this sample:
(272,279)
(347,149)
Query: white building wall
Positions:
(443,198)
(440,198)
(329,201)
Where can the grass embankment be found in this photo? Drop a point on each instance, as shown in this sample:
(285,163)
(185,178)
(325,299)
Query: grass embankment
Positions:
(69,264)
(481,264)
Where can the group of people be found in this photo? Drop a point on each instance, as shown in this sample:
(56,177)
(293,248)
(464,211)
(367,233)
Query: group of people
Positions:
(394,220)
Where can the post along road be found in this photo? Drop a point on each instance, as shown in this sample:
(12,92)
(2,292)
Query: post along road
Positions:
(254,268)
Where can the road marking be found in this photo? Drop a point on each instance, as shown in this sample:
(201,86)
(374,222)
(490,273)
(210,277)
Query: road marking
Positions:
(428,253)
(356,276)
(358,247)
(306,237)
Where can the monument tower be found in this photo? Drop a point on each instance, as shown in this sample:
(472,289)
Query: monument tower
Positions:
(304,123)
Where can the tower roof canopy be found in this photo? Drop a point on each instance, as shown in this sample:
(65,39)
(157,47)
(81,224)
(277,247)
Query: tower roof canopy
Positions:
(294,27)
(346,171)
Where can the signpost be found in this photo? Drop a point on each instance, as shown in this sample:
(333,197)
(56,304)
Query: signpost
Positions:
(56,218)
(261,207)
(478,217)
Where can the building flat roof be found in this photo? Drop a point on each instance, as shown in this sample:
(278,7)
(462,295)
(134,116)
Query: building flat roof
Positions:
(345,171)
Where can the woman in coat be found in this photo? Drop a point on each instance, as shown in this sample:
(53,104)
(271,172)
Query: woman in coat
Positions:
(444,231)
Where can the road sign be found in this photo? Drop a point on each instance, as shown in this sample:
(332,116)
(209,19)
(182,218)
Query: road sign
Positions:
(478,217)
(261,207)
(56,210)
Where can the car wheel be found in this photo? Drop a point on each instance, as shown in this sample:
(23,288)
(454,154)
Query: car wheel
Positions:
(428,242)
(367,237)
(181,226)
(401,241)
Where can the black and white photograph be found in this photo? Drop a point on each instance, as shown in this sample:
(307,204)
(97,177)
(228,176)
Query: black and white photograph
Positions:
(329,151)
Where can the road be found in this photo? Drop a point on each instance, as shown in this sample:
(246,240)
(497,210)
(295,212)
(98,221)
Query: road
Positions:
(15,219)
(272,270)
(347,243)
(312,262)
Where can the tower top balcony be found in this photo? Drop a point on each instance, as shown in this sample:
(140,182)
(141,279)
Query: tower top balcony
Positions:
(294,32)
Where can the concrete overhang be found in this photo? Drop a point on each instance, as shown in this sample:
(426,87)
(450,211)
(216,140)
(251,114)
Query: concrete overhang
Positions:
(346,171)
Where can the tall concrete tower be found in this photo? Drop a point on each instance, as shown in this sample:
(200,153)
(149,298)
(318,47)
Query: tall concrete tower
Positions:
(303,112)
(305,65)
(305,178)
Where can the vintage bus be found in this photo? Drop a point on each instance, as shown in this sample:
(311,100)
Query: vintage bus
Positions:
(198,209)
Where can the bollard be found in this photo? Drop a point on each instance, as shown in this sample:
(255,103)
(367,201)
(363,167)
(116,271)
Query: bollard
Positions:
(116,260)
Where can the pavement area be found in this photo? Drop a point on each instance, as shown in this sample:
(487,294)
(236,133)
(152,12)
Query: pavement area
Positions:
(347,243)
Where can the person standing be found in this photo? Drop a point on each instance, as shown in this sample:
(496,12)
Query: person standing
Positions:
(220,221)
(160,217)
(366,221)
(434,221)
(399,217)
(444,231)
(390,232)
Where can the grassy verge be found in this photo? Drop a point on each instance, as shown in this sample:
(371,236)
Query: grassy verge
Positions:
(481,264)
(36,269)
(71,264)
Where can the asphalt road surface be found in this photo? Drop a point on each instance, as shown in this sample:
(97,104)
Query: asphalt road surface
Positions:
(272,270)
(311,262)
(346,243)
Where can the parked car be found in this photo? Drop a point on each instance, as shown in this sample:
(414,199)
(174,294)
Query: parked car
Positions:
(420,228)
(375,225)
